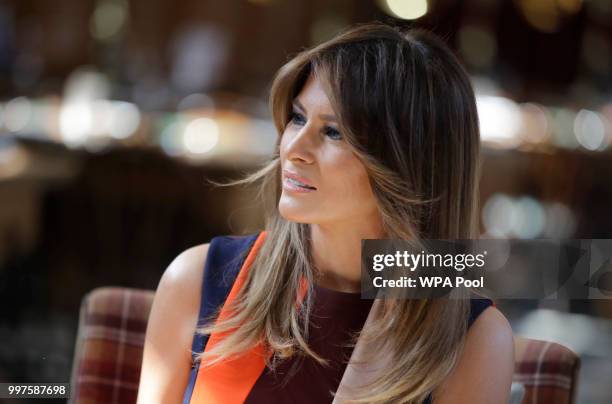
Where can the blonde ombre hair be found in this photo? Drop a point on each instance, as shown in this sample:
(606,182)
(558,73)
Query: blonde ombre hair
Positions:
(406,106)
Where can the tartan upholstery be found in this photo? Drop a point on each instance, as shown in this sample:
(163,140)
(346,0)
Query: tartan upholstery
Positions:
(112,327)
(547,370)
(108,350)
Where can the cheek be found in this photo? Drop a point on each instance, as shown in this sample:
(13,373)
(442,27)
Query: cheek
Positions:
(349,180)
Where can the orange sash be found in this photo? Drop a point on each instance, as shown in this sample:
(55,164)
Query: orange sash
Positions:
(230,381)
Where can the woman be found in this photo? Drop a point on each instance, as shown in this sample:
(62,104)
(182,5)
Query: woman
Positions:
(378,139)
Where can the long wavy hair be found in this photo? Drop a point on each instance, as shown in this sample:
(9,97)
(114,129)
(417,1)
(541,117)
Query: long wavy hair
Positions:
(406,106)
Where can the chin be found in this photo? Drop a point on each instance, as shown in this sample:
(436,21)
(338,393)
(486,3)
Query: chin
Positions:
(294,215)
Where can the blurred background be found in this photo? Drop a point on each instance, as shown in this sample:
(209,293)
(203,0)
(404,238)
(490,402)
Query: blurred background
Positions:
(113,113)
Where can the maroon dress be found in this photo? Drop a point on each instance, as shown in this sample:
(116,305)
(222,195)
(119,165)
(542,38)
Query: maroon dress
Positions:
(333,316)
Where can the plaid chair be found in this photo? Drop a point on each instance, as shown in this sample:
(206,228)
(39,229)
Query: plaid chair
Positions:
(108,349)
(110,339)
(547,370)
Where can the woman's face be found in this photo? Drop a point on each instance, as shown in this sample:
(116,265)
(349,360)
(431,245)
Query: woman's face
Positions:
(313,149)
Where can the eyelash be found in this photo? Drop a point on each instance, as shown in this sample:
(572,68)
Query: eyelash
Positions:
(328,130)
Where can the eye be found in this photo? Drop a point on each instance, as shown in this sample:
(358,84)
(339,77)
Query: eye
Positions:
(333,133)
(299,119)
(296,118)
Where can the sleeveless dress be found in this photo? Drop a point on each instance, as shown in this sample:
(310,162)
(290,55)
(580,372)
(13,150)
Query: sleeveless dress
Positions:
(296,380)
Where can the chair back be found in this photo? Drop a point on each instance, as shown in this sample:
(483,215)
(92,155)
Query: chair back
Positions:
(109,345)
(547,370)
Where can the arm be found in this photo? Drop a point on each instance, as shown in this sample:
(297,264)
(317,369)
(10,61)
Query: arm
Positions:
(483,374)
(167,350)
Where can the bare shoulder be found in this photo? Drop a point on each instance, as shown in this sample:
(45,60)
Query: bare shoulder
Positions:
(180,288)
(178,293)
(185,272)
(170,328)
(492,329)
(484,371)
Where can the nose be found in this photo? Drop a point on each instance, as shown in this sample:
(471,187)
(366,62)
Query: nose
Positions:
(299,145)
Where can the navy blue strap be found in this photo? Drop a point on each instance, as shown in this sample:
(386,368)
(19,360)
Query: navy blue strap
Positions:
(226,254)
(225,257)
(477,306)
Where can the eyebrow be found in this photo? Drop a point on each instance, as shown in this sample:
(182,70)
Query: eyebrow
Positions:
(322,116)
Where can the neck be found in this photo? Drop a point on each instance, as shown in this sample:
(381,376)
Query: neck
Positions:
(336,250)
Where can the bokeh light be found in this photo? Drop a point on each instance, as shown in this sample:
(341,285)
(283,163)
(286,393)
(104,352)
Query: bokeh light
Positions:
(201,135)
(500,120)
(405,9)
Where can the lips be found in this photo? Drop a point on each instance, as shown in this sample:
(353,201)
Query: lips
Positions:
(298,179)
